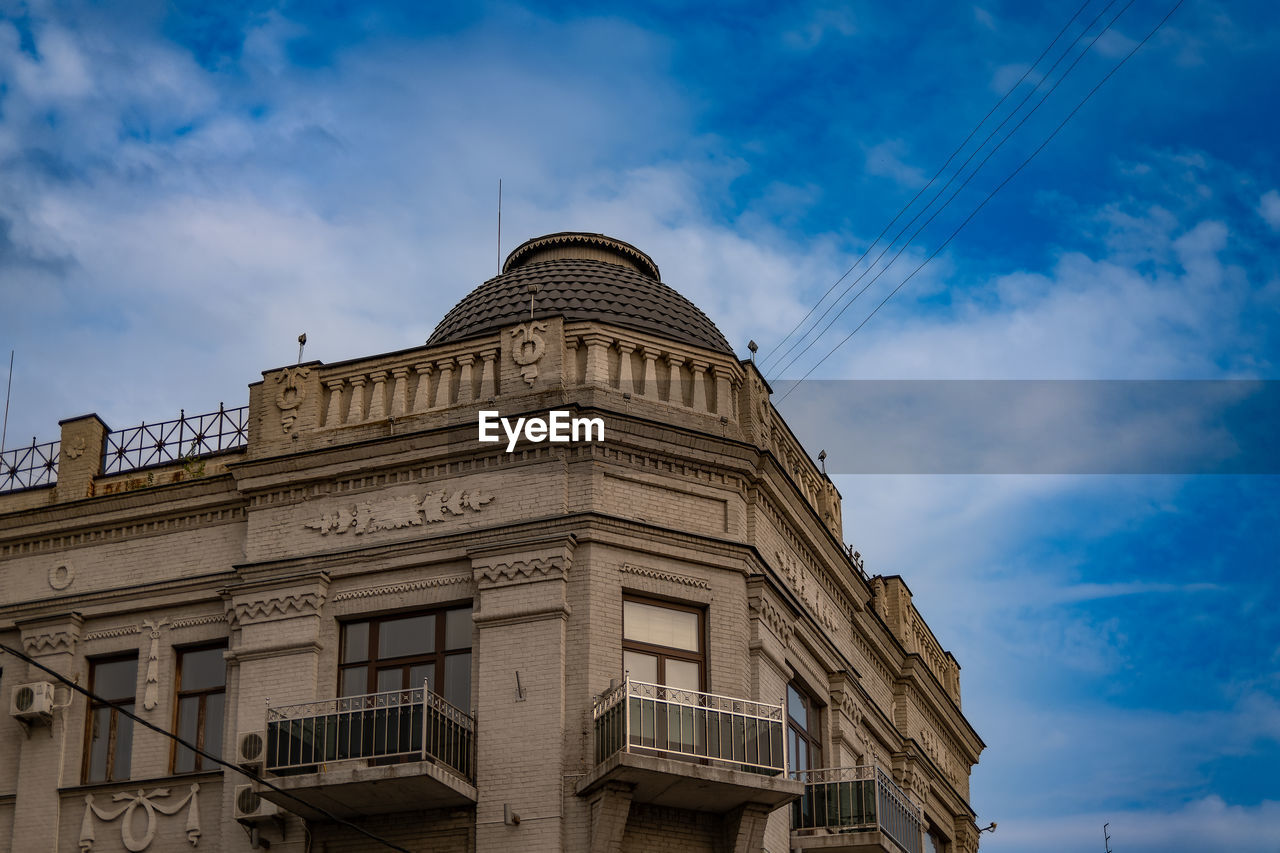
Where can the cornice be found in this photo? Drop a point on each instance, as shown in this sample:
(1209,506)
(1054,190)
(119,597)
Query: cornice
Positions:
(670,577)
(84,536)
(400,588)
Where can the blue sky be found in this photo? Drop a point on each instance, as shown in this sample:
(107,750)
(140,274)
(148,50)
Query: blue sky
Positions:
(184,189)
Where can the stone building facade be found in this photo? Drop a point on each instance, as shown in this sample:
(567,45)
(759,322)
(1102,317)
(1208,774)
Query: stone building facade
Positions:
(657,641)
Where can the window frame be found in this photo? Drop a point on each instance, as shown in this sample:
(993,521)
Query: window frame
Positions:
(114,704)
(662,653)
(811,734)
(437,658)
(179,694)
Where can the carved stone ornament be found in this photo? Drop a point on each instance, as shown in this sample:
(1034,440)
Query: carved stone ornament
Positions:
(61,576)
(151,695)
(395,513)
(530,348)
(147,802)
(291,395)
(75,449)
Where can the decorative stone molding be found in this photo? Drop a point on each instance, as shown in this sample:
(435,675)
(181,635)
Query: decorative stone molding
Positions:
(773,618)
(398,512)
(282,605)
(530,348)
(111,633)
(291,395)
(194,621)
(523,571)
(147,802)
(655,574)
(523,562)
(151,693)
(400,588)
(61,576)
(52,636)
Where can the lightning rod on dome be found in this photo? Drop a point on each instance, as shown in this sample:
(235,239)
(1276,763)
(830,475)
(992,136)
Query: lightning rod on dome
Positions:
(499,226)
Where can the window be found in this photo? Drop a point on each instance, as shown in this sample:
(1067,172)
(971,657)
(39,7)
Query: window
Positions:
(403,651)
(110,735)
(662,644)
(201,685)
(804,741)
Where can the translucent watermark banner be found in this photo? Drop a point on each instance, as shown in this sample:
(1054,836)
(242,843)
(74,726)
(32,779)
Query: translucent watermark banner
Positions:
(1037,426)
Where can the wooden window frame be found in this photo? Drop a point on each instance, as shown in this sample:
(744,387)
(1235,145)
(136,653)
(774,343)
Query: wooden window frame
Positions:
(663,653)
(113,725)
(373,663)
(179,694)
(812,734)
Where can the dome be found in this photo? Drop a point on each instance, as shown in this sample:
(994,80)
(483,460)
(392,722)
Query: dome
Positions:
(580,277)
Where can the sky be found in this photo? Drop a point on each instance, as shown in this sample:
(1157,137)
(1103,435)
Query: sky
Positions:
(186,187)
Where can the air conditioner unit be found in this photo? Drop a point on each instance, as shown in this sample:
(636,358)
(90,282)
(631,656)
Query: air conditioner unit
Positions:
(32,702)
(250,807)
(250,750)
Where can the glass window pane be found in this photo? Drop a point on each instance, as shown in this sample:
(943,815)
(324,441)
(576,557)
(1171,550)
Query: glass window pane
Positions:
(797,707)
(214,711)
(683,674)
(124,745)
(355,681)
(203,669)
(98,735)
(457,680)
(188,718)
(390,679)
(457,629)
(423,672)
(802,755)
(661,626)
(409,635)
(355,642)
(640,667)
(116,680)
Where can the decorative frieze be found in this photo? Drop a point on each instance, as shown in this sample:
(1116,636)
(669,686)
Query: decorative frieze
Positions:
(521,571)
(149,803)
(291,395)
(275,606)
(151,694)
(655,574)
(399,512)
(401,588)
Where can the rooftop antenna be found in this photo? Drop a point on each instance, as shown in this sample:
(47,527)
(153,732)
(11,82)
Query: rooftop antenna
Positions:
(499,226)
(302,342)
(4,433)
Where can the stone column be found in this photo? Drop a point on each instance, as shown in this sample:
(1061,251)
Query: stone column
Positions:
(699,400)
(465,386)
(597,357)
(399,391)
(444,388)
(650,375)
(625,381)
(571,361)
(724,384)
(355,414)
(422,400)
(378,399)
(333,416)
(488,374)
(675,392)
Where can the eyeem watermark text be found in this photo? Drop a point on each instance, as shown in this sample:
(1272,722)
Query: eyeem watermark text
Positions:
(559,426)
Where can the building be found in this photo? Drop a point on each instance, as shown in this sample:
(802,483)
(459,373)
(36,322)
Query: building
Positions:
(654,641)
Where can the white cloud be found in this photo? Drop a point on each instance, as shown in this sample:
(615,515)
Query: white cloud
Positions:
(1269,209)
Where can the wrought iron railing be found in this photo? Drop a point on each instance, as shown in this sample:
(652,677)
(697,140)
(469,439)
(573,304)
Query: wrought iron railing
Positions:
(29,466)
(852,798)
(395,724)
(650,718)
(187,437)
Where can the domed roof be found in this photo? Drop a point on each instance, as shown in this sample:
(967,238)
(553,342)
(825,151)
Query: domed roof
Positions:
(580,277)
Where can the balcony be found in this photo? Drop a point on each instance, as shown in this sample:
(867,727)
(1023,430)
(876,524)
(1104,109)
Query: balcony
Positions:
(689,750)
(855,810)
(402,750)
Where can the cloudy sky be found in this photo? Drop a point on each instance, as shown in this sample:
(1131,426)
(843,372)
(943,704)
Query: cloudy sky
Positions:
(185,187)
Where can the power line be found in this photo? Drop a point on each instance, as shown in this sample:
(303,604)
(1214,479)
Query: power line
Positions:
(992,194)
(965,182)
(198,751)
(960,170)
(916,197)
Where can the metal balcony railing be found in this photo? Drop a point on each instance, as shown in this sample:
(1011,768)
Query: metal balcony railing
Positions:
(186,438)
(849,798)
(649,718)
(404,724)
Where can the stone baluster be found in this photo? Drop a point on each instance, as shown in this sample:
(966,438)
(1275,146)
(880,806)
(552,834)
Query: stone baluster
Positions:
(355,414)
(443,389)
(724,400)
(378,399)
(465,374)
(488,376)
(625,380)
(597,357)
(333,416)
(422,399)
(699,400)
(675,392)
(399,391)
(650,373)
